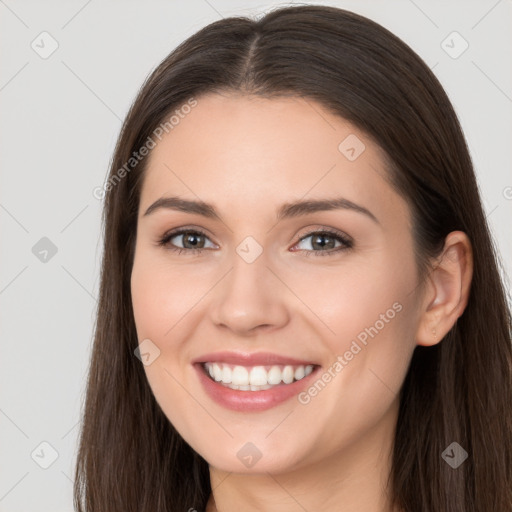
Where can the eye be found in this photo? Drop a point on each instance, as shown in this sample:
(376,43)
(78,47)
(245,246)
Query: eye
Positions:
(324,242)
(185,240)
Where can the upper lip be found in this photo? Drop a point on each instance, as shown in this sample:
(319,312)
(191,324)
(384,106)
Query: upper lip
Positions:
(248,359)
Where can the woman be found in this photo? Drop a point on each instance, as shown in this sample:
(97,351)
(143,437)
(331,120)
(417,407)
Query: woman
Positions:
(233,369)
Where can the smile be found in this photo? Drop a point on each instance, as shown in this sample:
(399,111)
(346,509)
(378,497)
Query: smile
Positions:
(289,380)
(255,378)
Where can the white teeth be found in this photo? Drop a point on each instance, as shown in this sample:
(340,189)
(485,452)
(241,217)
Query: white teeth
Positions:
(288,374)
(217,373)
(240,376)
(227,374)
(246,388)
(260,388)
(274,375)
(256,378)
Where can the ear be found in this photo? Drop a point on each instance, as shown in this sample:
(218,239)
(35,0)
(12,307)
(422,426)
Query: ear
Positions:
(447,289)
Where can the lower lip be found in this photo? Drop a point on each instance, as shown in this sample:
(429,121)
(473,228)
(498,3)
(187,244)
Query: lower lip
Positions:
(251,401)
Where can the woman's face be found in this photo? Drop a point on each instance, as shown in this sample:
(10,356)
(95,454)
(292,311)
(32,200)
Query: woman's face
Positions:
(322,297)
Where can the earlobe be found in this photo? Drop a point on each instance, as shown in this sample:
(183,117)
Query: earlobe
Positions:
(448,289)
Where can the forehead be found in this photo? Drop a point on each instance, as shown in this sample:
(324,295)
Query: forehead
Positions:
(252,151)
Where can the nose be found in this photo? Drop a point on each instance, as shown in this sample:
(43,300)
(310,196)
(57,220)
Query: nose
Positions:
(250,299)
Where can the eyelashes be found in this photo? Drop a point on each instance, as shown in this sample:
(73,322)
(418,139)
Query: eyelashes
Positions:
(165,241)
(318,238)
(344,241)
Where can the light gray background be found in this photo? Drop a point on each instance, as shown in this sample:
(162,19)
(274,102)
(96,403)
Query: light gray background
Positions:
(60,119)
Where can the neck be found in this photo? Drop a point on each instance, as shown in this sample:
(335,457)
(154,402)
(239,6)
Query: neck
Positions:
(350,480)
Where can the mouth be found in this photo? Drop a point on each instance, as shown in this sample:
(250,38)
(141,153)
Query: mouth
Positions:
(253,382)
(245,389)
(255,378)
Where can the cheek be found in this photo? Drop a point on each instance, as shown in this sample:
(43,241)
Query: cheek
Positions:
(360,300)
(148,307)
(360,384)
(371,314)
(162,296)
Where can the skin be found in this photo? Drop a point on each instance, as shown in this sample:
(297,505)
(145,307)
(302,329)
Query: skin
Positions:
(247,156)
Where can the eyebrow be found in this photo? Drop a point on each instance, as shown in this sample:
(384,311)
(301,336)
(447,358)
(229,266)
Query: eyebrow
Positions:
(286,211)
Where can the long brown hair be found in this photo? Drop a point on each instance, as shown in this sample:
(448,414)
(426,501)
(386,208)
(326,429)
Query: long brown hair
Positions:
(130,457)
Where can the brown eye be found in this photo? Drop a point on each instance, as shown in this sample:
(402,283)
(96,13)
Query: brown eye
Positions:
(324,243)
(191,240)
(187,240)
